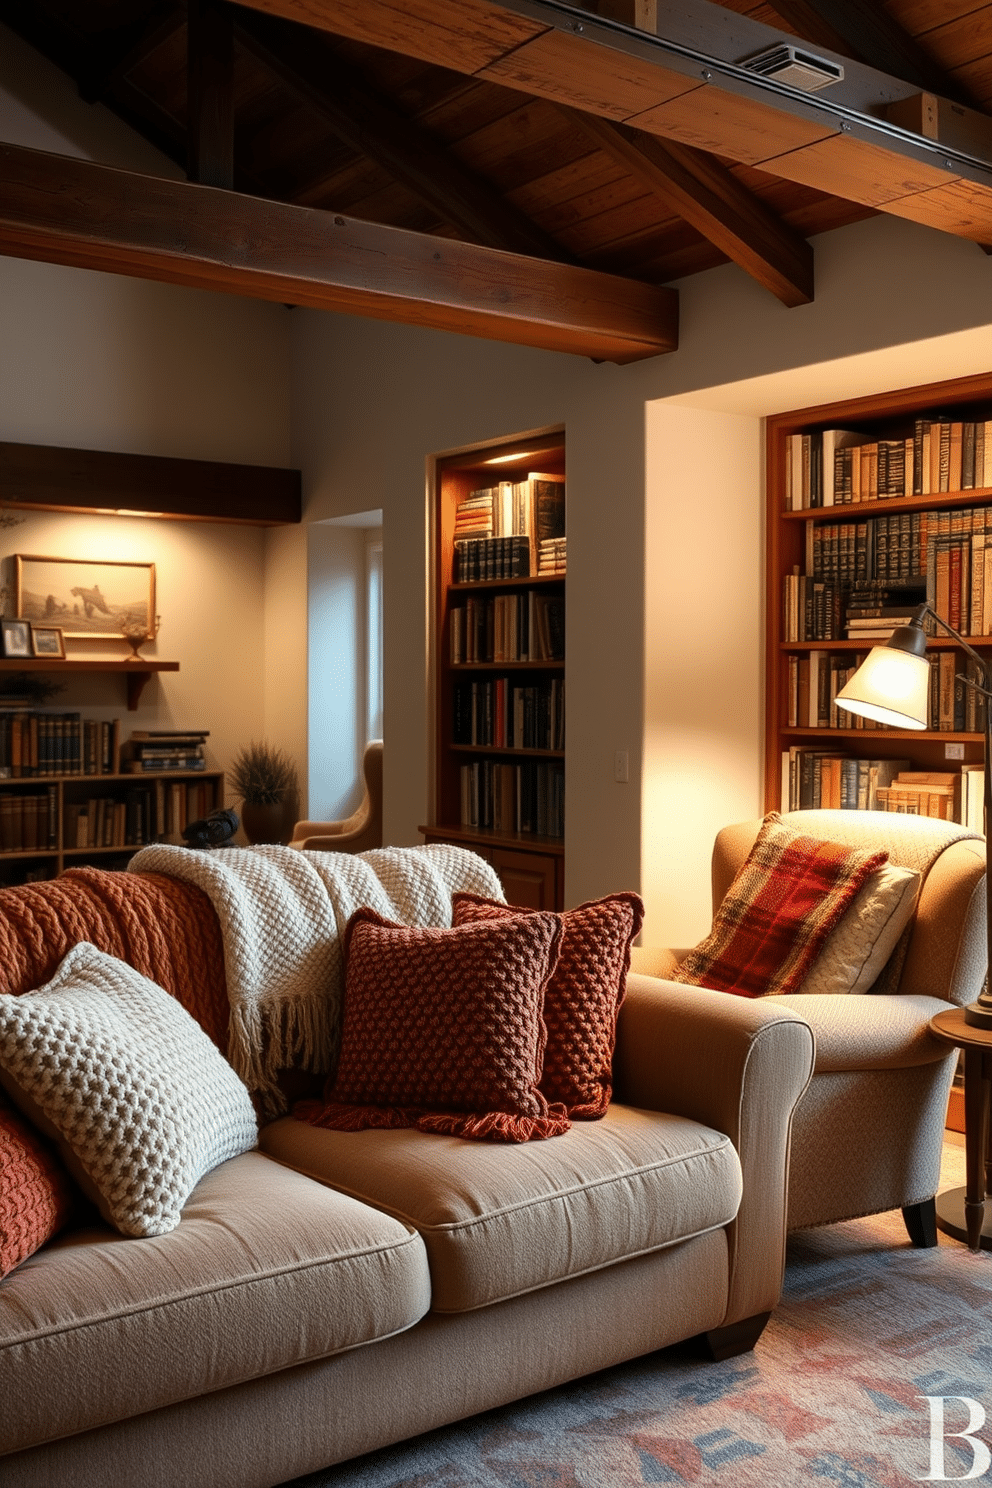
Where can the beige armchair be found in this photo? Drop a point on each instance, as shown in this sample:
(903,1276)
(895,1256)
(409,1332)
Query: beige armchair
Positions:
(867,1135)
(358,832)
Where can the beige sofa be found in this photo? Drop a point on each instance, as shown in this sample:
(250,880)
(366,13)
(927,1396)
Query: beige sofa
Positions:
(335,1292)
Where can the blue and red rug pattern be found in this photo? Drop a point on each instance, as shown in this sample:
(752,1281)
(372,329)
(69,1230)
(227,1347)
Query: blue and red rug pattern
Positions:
(834,1393)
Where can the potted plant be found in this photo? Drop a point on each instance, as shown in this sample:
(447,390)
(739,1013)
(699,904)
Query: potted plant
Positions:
(265,781)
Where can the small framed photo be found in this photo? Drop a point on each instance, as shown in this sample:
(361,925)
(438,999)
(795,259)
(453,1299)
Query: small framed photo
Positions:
(46,640)
(16,636)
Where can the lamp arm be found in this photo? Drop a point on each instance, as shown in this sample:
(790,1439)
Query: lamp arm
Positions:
(921,613)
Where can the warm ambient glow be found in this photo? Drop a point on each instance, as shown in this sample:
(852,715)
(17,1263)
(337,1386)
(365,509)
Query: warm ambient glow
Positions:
(517,455)
(889,687)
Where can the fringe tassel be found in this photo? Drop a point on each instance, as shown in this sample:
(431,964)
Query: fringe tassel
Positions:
(265,1039)
(473,1126)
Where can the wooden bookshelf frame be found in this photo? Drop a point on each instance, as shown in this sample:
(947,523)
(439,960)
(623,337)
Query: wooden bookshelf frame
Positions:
(531,866)
(881,414)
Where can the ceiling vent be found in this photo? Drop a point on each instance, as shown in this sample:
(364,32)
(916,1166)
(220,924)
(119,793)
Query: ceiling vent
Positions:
(794,67)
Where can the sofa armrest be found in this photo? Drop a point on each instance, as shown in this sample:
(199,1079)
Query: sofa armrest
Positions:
(736,1065)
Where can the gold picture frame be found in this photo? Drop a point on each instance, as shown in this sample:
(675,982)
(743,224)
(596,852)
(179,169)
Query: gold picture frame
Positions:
(86,598)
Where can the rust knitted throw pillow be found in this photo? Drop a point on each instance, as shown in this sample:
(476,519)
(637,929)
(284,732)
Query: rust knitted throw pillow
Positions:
(442,1030)
(787,897)
(583,994)
(36,1195)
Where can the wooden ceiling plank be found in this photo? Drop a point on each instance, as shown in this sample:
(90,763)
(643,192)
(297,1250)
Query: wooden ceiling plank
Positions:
(210,93)
(369,125)
(708,197)
(72,211)
(959,207)
(873,36)
(120,52)
(732,124)
(54,478)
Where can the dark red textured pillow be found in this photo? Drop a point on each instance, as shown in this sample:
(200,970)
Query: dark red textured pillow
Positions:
(36,1195)
(442,1029)
(583,994)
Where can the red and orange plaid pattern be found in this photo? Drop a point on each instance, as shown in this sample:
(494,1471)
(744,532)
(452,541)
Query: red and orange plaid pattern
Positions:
(787,897)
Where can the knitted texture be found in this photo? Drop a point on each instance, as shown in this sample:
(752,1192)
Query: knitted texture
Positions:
(583,995)
(282,914)
(35,1194)
(443,1030)
(139,1100)
(165,929)
(783,903)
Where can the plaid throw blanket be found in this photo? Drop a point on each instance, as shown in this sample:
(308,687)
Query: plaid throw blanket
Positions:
(779,910)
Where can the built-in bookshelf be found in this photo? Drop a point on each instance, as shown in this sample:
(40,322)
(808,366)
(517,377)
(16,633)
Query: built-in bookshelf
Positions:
(499,665)
(74,791)
(876,505)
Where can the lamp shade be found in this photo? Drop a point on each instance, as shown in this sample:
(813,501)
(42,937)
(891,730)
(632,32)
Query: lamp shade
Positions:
(891,686)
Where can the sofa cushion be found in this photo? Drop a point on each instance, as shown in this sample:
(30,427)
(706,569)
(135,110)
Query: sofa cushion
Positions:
(442,1029)
(855,952)
(783,903)
(36,1196)
(266,1271)
(139,1100)
(501,1221)
(582,997)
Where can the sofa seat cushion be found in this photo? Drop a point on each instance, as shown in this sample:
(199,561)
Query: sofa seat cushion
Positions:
(501,1221)
(265,1270)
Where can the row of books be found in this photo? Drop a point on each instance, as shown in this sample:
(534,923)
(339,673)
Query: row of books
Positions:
(814,779)
(527,626)
(496,713)
(29,822)
(34,743)
(526,797)
(143,814)
(816,610)
(835,467)
(533,508)
(552,555)
(943,557)
(814,681)
(481,558)
(166,749)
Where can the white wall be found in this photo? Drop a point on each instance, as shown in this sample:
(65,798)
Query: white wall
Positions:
(99,361)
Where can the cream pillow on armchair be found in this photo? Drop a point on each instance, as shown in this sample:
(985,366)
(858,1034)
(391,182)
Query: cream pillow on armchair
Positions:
(856,951)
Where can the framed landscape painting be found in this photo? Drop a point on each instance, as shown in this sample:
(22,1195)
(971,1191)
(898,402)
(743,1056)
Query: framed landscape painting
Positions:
(85,598)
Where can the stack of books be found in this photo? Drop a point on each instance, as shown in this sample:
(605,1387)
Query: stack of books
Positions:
(551,555)
(158,750)
(474,517)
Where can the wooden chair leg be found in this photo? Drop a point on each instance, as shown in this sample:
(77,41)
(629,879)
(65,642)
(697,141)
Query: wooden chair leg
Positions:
(921,1223)
(737,1338)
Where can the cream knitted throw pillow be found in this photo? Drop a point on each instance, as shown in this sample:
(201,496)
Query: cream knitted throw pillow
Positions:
(139,1100)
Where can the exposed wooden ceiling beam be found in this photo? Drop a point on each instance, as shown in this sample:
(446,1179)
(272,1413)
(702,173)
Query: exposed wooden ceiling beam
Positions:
(709,197)
(410,154)
(210,93)
(72,211)
(52,478)
(838,141)
(869,32)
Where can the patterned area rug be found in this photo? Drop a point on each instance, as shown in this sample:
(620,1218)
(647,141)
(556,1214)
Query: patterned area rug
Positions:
(832,1394)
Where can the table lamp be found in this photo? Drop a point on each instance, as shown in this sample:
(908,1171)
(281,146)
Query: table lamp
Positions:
(892,686)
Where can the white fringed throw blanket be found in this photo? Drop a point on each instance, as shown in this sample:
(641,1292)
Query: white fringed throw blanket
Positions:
(282,913)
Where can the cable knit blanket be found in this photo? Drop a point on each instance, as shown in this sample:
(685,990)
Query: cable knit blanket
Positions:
(282,913)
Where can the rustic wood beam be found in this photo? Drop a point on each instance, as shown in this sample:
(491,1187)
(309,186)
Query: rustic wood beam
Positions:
(671,86)
(210,93)
(51,478)
(72,211)
(709,197)
(372,127)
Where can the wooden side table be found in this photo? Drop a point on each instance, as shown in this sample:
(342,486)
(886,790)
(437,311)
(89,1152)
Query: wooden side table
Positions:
(969,1203)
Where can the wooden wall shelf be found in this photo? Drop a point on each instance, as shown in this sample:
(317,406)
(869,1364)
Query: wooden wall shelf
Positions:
(136,673)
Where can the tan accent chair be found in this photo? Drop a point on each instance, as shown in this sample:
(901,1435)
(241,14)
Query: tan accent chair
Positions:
(867,1135)
(358,832)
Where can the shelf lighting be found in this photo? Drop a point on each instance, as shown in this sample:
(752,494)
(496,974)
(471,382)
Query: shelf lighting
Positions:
(892,686)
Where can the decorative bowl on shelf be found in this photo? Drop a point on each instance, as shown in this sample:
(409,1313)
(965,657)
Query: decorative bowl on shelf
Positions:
(136,633)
